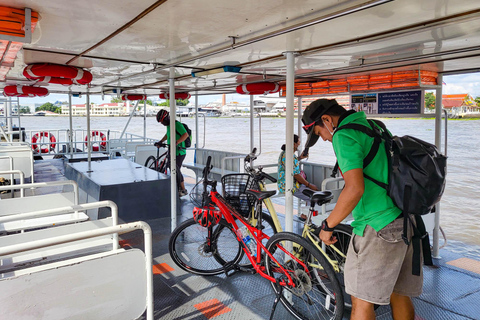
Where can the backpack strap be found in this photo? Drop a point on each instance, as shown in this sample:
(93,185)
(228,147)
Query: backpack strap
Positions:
(419,234)
(377,139)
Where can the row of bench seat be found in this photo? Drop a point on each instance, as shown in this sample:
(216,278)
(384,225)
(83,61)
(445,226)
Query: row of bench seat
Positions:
(57,263)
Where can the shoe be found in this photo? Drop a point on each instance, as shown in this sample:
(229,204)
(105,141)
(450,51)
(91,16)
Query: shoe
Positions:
(182,193)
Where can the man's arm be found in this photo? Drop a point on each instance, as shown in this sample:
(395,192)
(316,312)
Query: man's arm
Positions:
(347,201)
(163,139)
(182,138)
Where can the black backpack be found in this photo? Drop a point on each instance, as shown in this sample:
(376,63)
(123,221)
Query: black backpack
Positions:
(416,179)
(188,142)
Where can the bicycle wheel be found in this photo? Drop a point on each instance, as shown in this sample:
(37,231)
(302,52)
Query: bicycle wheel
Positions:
(163,165)
(343,233)
(151,163)
(189,249)
(317,293)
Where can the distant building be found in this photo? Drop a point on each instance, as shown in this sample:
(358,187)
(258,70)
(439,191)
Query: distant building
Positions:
(460,105)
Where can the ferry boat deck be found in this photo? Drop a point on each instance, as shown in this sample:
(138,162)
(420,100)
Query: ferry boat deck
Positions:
(451,287)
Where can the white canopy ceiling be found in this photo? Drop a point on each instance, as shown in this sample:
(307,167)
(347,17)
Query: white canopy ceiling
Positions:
(132,44)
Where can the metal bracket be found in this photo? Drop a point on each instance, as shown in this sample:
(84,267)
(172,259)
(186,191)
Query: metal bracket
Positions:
(28,30)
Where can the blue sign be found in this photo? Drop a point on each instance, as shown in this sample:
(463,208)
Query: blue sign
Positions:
(400,102)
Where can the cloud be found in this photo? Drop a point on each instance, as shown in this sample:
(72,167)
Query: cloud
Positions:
(466,83)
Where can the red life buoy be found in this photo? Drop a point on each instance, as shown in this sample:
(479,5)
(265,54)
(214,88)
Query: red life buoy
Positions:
(178,96)
(57,73)
(24,91)
(134,97)
(36,139)
(258,88)
(102,143)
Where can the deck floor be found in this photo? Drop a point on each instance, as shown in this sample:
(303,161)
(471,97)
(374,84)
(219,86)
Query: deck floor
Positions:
(451,288)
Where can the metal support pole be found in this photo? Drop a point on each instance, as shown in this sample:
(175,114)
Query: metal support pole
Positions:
(8,114)
(70,116)
(196,124)
(252,131)
(173,149)
(144,120)
(129,119)
(89,142)
(289,142)
(438,143)
(299,121)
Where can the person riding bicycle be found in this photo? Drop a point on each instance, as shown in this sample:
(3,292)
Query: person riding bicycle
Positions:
(300,181)
(163,117)
(378,268)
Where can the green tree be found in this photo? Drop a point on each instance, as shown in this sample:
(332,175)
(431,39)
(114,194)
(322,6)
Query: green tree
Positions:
(429,100)
(477,101)
(149,102)
(50,107)
(24,109)
(115,100)
(179,102)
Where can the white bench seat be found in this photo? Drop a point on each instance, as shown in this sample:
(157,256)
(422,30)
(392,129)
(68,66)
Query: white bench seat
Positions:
(43,222)
(36,203)
(62,251)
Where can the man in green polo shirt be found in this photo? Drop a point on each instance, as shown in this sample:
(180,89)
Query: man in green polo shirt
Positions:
(163,117)
(378,269)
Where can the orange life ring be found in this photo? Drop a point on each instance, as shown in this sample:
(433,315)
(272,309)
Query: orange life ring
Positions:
(38,147)
(258,88)
(180,95)
(24,91)
(102,144)
(134,97)
(57,73)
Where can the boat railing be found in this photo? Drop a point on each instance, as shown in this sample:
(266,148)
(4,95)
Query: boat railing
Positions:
(61,142)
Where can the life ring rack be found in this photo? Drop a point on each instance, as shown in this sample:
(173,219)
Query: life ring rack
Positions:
(101,145)
(37,145)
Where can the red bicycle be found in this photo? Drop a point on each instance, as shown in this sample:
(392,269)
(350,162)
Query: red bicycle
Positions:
(212,243)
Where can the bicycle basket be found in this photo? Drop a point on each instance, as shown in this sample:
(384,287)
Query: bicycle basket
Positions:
(196,195)
(234,186)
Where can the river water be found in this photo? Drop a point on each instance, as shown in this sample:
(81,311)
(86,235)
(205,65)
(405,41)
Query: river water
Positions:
(459,216)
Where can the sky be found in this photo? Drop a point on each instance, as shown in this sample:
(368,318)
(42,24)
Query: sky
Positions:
(467,83)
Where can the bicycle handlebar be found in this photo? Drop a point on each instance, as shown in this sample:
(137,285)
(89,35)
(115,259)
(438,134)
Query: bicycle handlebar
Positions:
(267,176)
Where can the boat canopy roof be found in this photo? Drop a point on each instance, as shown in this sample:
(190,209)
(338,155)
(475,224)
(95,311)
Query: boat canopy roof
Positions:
(131,45)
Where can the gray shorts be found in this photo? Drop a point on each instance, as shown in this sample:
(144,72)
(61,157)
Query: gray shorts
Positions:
(379,263)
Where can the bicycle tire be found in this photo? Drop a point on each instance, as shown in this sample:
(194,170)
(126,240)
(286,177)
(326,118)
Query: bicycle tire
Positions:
(343,233)
(187,245)
(151,163)
(163,165)
(311,297)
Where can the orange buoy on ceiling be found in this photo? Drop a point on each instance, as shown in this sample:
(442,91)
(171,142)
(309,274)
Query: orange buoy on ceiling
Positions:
(24,91)
(57,73)
(258,88)
(134,97)
(178,96)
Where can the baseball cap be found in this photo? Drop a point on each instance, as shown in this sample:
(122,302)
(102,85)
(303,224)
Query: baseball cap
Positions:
(312,114)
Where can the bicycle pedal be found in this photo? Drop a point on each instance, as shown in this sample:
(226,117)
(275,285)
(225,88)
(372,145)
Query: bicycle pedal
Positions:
(230,269)
(248,270)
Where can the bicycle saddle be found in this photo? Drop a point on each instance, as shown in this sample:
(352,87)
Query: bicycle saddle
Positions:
(318,197)
(260,195)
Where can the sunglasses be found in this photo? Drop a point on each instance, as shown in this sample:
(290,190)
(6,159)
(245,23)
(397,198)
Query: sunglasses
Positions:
(309,127)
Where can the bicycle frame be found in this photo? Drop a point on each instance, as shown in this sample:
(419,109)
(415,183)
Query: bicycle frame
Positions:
(307,231)
(230,214)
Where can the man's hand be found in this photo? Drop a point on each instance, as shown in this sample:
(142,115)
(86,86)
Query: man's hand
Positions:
(326,237)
